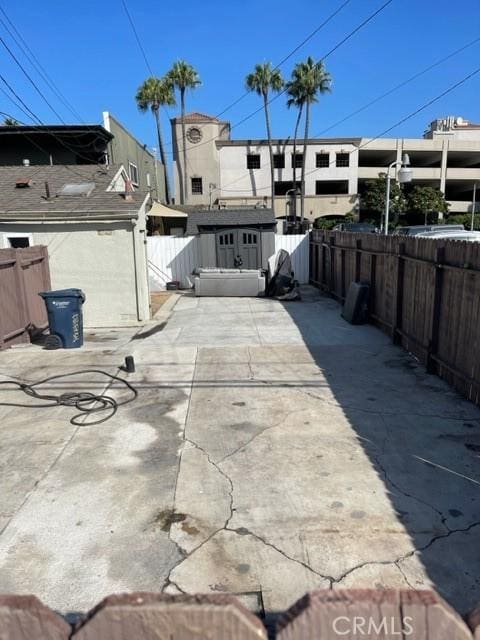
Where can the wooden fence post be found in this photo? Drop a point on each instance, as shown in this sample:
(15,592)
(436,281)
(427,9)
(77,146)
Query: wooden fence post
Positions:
(342,271)
(399,279)
(332,264)
(358,260)
(432,366)
(373,277)
(22,294)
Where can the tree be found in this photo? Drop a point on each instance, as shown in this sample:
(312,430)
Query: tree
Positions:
(372,200)
(310,80)
(262,80)
(184,77)
(152,94)
(295,100)
(426,203)
(11,122)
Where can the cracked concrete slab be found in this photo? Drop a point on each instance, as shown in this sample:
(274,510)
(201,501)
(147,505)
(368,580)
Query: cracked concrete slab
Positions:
(273,449)
(238,562)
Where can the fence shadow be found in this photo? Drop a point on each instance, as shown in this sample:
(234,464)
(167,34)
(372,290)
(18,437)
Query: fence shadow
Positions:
(422,440)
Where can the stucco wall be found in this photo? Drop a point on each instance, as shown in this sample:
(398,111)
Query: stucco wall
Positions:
(202,159)
(238,181)
(125,148)
(97,258)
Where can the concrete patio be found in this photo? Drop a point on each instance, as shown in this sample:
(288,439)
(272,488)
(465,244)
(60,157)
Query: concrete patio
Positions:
(273,449)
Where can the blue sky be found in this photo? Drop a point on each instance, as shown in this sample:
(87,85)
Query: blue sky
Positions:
(89,50)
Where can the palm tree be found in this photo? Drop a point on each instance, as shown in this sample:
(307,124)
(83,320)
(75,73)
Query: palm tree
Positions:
(11,122)
(262,80)
(310,79)
(183,76)
(152,94)
(295,99)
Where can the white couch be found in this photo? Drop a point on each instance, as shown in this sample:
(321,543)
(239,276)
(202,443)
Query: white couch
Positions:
(229,282)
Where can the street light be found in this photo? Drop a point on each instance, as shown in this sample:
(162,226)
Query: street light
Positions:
(404,174)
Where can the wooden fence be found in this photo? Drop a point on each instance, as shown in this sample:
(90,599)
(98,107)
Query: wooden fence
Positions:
(23,273)
(425,293)
(320,615)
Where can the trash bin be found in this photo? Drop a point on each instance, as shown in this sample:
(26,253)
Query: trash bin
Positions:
(65,318)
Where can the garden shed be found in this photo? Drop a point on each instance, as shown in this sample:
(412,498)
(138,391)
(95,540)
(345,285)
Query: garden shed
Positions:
(234,238)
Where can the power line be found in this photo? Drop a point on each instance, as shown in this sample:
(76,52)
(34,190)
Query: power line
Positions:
(32,82)
(12,90)
(397,87)
(45,127)
(292,52)
(139,42)
(337,46)
(397,124)
(36,64)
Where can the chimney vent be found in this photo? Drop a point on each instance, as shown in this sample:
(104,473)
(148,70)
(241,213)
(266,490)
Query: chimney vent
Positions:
(128,191)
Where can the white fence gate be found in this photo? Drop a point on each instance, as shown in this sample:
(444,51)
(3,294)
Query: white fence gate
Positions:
(174,258)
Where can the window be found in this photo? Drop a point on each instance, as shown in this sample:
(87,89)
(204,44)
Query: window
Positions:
(249,238)
(279,161)
(226,239)
(149,182)
(282,186)
(331,187)
(323,160)
(197,185)
(253,161)
(297,161)
(17,240)
(133,172)
(343,159)
(77,189)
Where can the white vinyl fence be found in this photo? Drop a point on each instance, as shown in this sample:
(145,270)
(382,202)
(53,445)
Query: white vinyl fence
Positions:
(174,258)
(297,247)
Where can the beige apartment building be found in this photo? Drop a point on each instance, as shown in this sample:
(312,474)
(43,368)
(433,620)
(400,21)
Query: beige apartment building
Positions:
(232,173)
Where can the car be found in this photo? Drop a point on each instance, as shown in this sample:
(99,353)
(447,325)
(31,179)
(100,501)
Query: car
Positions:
(356,227)
(453,234)
(422,228)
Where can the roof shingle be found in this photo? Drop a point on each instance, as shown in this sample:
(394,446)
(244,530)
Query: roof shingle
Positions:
(31,201)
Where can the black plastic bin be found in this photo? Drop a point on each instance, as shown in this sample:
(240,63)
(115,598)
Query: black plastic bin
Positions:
(65,318)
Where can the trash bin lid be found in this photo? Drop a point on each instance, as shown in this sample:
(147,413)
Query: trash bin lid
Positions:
(63,293)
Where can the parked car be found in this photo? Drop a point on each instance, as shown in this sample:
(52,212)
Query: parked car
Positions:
(452,234)
(356,227)
(422,228)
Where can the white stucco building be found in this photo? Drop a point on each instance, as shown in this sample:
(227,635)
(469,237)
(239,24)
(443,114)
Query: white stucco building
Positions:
(232,173)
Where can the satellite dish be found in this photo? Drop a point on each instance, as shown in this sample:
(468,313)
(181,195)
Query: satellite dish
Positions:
(459,120)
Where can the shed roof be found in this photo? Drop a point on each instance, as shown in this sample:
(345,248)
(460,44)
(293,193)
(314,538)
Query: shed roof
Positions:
(30,202)
(202,220)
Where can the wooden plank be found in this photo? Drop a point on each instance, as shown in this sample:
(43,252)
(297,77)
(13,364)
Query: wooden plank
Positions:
(436,306)
(152,616)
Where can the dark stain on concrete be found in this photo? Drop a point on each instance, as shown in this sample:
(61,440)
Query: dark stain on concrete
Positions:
(243,568)
(189,528)
(238,404)
(165,518)
(455,513)
(242,531)
(358,514)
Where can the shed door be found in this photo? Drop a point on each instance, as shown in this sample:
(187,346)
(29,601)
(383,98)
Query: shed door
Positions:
(239,248)
(226,249)
(249,248)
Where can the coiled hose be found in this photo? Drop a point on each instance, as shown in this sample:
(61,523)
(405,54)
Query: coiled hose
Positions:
(85,402)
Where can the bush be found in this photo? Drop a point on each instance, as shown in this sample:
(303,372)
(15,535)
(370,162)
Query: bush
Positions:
(465,219)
